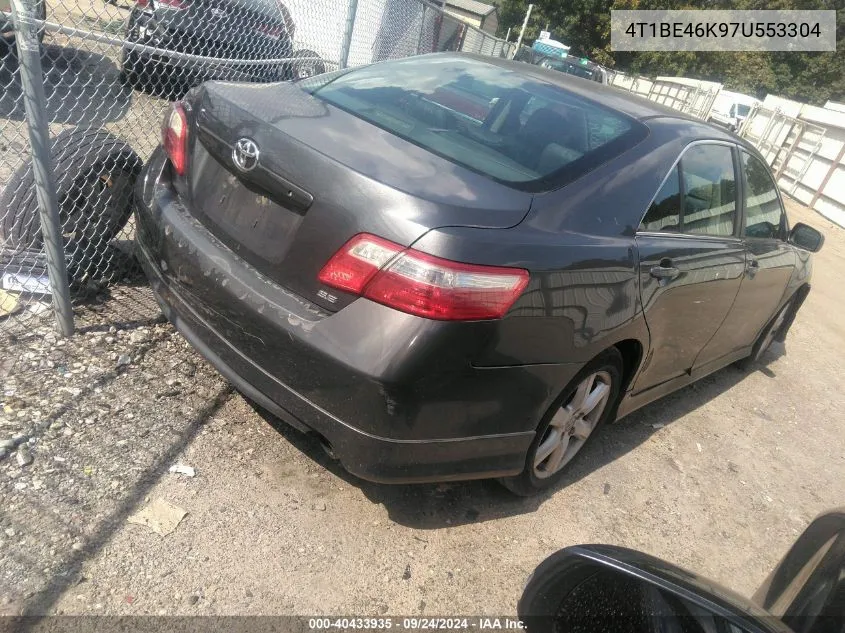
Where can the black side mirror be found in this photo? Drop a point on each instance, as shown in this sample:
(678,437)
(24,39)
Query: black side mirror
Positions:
(806,237)
(807,589)
(606,588)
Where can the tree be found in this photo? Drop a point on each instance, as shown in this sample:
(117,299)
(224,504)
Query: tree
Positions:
(585,26)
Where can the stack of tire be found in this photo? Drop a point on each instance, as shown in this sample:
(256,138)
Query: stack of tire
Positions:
(95,174)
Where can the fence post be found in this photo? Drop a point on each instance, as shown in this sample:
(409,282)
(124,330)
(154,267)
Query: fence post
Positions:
(32,83)
(422,30)
(522,32)
(347,34)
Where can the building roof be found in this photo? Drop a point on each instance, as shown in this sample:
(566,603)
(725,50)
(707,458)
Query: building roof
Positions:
(471,6)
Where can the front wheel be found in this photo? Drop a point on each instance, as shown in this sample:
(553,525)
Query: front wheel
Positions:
(586,403)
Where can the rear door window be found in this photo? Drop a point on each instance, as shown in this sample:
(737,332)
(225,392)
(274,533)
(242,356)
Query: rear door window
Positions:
(764,214)
(708,183)
(699,196)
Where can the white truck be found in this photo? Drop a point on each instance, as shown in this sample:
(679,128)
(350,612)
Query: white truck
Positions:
(731,108)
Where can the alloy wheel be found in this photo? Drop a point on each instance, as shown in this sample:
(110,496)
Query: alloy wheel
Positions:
(572,425)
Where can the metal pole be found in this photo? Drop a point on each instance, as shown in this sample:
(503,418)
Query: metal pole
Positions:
(522,30)
(508,34)
(422,29)
(347,34)
(32,82)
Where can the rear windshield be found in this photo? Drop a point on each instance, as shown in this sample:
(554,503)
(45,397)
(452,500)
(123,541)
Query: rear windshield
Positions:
(508,126)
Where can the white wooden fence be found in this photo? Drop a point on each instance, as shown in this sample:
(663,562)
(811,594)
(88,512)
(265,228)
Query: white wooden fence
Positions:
(804,144)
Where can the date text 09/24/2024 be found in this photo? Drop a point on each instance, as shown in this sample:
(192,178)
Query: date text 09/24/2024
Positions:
(416,623)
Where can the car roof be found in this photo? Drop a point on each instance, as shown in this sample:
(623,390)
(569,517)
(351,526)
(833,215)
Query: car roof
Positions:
(633,105)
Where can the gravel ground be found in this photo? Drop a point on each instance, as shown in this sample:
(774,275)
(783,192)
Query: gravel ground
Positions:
(720,477)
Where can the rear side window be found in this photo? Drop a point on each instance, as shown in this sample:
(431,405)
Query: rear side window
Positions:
(699,195)
(709,190)
(503,124)
(764,215)
(664,214)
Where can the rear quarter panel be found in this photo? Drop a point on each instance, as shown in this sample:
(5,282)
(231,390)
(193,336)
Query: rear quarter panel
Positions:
(578,244)
(583,294)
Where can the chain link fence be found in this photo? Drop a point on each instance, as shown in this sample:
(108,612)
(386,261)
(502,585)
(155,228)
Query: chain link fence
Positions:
(84,85)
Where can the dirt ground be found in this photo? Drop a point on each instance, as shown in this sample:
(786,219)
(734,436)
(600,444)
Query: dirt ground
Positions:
(720,477)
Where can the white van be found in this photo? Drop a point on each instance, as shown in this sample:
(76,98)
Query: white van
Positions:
(731,108)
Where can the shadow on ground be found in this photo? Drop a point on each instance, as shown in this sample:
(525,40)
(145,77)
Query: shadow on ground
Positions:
(103,527)
(117,406)
(433,506)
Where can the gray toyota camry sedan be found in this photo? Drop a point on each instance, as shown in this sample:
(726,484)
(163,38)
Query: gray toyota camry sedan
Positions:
(454,267)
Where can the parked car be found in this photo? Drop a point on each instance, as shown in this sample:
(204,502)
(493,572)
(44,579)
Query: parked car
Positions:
(582,67)
(440,294)
(541,54)
(608,588)
(243,30)
(730,109)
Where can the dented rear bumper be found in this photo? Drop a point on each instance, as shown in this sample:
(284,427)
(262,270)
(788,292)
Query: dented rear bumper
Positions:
(393,394)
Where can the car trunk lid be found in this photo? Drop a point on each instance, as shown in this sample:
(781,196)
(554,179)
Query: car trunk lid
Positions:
(322,176)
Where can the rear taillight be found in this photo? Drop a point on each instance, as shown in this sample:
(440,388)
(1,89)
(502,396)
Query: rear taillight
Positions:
(174,137)
(357,262)
(422,284)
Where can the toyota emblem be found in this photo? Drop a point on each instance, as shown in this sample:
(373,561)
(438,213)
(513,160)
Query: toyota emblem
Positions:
(245,154)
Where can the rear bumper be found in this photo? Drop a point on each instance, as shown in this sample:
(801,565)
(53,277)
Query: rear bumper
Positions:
(367,456)
(392,410)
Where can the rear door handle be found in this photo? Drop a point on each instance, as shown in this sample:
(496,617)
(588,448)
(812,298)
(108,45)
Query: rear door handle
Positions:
(665,272)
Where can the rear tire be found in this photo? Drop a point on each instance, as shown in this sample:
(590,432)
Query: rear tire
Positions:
(139,72)
(767,337)
(131,73)
(309,68)
(585,404)
(95,174)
